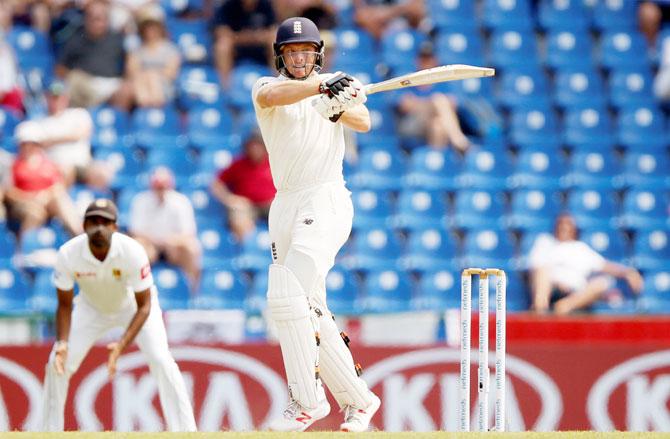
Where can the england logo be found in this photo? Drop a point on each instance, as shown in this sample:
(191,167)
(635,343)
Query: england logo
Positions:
(297,27)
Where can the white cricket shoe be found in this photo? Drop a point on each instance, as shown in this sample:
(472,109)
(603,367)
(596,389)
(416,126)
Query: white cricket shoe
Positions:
(357,420)
(298,418)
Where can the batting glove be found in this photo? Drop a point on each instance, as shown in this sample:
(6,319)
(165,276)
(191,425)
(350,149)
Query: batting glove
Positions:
(328,107)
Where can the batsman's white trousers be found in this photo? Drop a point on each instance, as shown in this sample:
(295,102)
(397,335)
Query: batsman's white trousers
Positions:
(87,326)
(307,228)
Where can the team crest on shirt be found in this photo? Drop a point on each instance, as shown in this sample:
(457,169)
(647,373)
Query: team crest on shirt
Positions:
(145,271)
(116,273)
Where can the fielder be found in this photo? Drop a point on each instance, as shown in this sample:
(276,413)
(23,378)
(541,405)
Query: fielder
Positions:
(115,289)
(301,115)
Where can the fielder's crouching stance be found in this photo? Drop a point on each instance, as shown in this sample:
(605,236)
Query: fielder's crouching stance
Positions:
(116,290)
(301,116)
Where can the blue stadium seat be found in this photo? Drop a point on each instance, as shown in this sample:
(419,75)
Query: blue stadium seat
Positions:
(34,56)
(614,15)
(433,169)
(507,14)
(399,49)
(111,128)
(472,88)
(343,291)
(7,245)
(438,290)
(448,14)
(579,87)
(158,128)
(255,255)
(537,168)
(533,210)
(373,208)
(656,296)
(430,249)
(643,128)
(586,127)
(8,121)
(647,170)
(256,300)
(631,86)
(40,239)
(563,14)
(610,243)
(459,46)
(382,134)
(183,164)
(354,47)
(176,7)
(420,208)
(651,249)
(513,49)
(14,292)
(44,298)
(211,128)
(593,208)
(242,80)
(213,161)
(208,210)
(192,38)
(534,127)
(373,249)
(569,49)
(172,287)
(595,170)
(219,248)
(477,209)
(488,248)
(378,169)
(645,209)
(485,170)
(523,87)
(387,290)
(621,49)
(128,164)
(221,289)
(517,294)
(199,85)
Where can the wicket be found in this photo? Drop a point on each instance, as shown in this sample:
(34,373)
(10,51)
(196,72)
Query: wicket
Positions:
(483,357)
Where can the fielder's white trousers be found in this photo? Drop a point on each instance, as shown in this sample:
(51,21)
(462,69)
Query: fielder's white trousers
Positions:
(87,326)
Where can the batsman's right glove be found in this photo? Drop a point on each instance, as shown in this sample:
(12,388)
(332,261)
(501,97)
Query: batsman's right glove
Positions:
(328,107)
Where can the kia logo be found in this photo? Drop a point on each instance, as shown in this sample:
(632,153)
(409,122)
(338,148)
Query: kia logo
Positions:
(31,387)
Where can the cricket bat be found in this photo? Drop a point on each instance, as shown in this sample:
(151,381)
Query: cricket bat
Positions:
(451,72)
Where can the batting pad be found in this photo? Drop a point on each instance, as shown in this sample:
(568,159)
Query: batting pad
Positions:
(297,331)
(338,370)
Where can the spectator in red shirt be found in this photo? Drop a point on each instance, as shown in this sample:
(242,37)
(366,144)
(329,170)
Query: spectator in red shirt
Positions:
(245,187)
(35,191)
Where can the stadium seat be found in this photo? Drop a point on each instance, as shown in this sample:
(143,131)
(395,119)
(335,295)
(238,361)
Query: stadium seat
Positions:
(472,88)
(219,248)
(158,128)
(373,249)
(587,127)
(438,290)
(593,208)
(211,162)
(485,170)
(387,290)
(507,14)
(208,211)
(490,248)
(399,49)
(378,169)
(619,49)
(8,121)
(7,245)
(651,249)
(614,15)
(111,128)
(477,209)
(44,298)
(354,48)
(647,170)
(432,169)
(14,292)
(34,56)
(83,195)
(631,86)
(534,127)
(221,289)
(199,85)
(533,210)
(645,209)
(40,239)
(656,296)
(242,79)
(563,14)
(256,300)
(512,49)
(567,49)
(610,243)
(643,129)
(256,251)
(173,292)
(343,291)
(595,170)
(448,14)
(382,134)
(430,249)
(579,87)
(523,87)
(418,209)
(373,208)
(517,295)
(459,46)
(538,168)
(127,164)
(192,38)
(183,164)
(174,8)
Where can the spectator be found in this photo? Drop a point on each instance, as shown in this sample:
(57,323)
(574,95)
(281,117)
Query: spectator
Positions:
(242,31)
(651,16)
(323,13)
(10,92)
(35,191)
(92,61)
(162,220)
(67,139)
(34,13)
(378,16)
(428,113)
(153,67)
(246,187)
(569,274)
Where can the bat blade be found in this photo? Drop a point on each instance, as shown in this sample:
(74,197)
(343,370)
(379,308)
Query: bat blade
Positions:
(451,72)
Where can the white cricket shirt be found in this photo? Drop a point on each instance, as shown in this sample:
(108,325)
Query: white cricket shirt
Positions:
(305,149)
(160,221)
(107,285)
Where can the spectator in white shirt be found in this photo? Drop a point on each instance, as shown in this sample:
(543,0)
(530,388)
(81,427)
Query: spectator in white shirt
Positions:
(163,221)
(569,274)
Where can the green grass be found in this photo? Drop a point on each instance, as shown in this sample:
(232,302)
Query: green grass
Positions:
(334,435)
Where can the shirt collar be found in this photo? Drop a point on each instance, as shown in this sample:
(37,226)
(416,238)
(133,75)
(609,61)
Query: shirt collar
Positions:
(113,251)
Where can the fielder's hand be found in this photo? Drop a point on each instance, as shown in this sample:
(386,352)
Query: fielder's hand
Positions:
(60,355)
(328,107)
(114,354)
